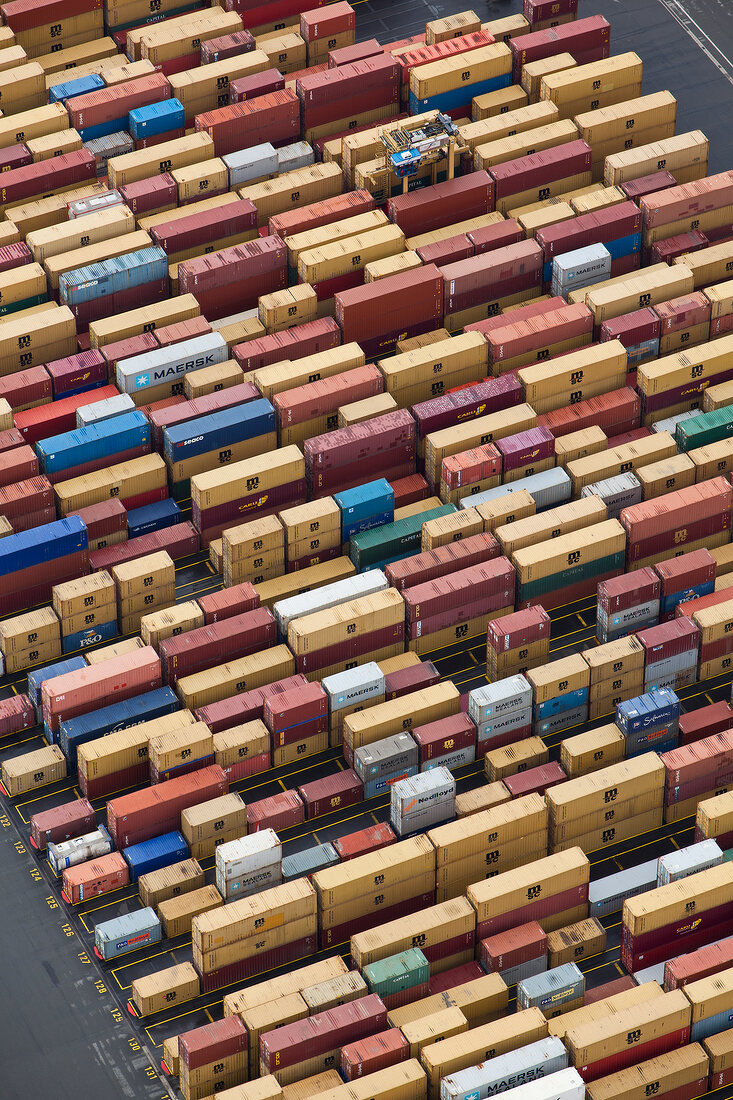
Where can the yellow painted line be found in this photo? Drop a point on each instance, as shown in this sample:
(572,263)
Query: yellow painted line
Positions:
(581,619)
(30,801)
(621,972)
(208,1015)
(96,909)
(708,698)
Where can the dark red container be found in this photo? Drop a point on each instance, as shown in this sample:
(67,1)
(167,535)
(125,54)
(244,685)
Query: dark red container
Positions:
(14,156)
(280,811)
(258,84)
(682,313)
(632,328)
(218,606)
(10,440)
(45,177)
(199,229)
(586,39)
(18,465)
(487,238)
(448,251)
(14,255)
(342,933)
(274,117)
(293,715)
(332,458)
(214,1041)
(535,911)
(179,541)
(199,406)
(347,55)
(609,224)
(181,330)
(610,989)
(155,810)
(165,403)
(538,169)
(407,680)
(626,1057)
(261,963)
(512,948)
(431,564)
(112,304)
(321,213)
(710,758)
(408,490)
(526,448)
(639,188)
(628,437)
(294,343)
(306,560)
(106,104)
(233,279)
(431,208)
(703,723)
(488,585)
(362,86)
(181,63)
(150,195)
(77,370)
(292,1043)
(376,314)
(206,646)
(325,796)
(374,1053)
(16,714)
(126,349)
(664,252)
(521,628)
(458,975)
(212,521)
(614,412)
(446,735)
(467,468)
(679,574)
(366,840)
(246,707)
(317,25)
(536,780)
(107,518)
(327,395)
(44,421)
(228,45)
(487,278)
(699,506)
(61,823)
(355,647)
(536,11)
(478,399)
(638,587)
(21,500)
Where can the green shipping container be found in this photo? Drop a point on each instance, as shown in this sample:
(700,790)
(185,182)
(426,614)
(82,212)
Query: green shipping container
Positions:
(397,973)
(393,541)
(27,303)
(532,589)
(709,427)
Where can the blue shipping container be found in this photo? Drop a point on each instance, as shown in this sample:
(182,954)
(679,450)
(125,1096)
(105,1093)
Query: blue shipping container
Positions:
(458,97)
(101,440)
(71,88)
(156,118)
(91,635)
(670,602)
(153,854)
(568,701)
(365,500)
(38,676)
(118,716)
(153,517)
(651,709)
(103,129)
(47,543)
(623,246)
(127,933)
(99,280)
(219,429)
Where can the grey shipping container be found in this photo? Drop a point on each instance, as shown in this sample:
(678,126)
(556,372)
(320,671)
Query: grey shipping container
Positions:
(552,989)
(451,760)
(617,492)
(255,163)
(514,974)
(607,895)
(547,489)
(385,757)
(309,861)
(130,932)
(506,1071)
(355,685)
(562,721)
(298,155)
(501,697)
(688,861)
(162,365)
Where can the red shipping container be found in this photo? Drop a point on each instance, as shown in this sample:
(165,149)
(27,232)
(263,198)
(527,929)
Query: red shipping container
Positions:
(61,823)
(689,608)
(228,45)
(446,735)
(407,680)
(218,606)
(182,330)
(587,40)
(664,252)
(523,313)
(212,1042)
(610,989)
(132,818)
(321,213)
(287,713)
(280,811)
(638,587)
(47,176)
(31,586)
(22,500)
(90,880)
(632,328)
(512,948)
(184,410)
(699,964)
(364,841)
(334,792)
(538,169)
(599,226)
(698,197)
(199,229)
(638,189)
(534,337)
(536,11)
(534,911)
(206,646)
(14,156)
(477,399)
(408,490)
(24,15)
(358,52)
(431,208)
(526,448)
(16,714)
(363,86)
(258,84)
(77,370)
(293,343)
(448,251)
(233,279)
(458,975)
(324,23)
(625,1058)
(681,313)
(260,963)
(476,465)
(126,349)
(521,628)
(212,521)
(14,255)
(292,1043)
(536,780)
(424,55)
(486,586)
(376,314)
(712,757)
(374,1053)
(680,574)
(628,437)
(488,238)
(75,693)
(336,455)
(614,412)
(179,541)
(10,440)
(668,640)
(487,278)
(294,564)
(704,722)
(227,713)
(327,396)
(166,403)
(274,117)
(107,518)
(444,560)
(151,195)
(708,503)
(106,104)
(355,647)
(181,63)
(18,465)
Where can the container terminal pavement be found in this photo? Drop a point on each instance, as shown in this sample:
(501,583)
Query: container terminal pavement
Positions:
(366,540)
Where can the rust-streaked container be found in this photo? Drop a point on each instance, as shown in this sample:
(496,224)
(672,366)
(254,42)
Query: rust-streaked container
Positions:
(280,811)
(61,823)
(374,1053)
(98,876)
(155,810)
(364,841)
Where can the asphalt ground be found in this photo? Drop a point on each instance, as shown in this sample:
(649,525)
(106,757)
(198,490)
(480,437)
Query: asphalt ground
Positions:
(67,1030)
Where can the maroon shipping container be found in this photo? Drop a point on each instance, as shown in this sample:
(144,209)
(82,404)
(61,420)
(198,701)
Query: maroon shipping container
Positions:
(61,823)
(712,757)
(628,437)
(10,440)
(364,841)
(668,640)
(431,208)
(139,816)
(431,564)
(106,104)
(614,412)
(327,395)
(679,574)
(610,989)
(347,55)
(14,255)
(179,541)
(480,399)
(488,586)
(75,693)
(181,330)
(446,735)
(458,975)
(362,86)
(375,444)
(199,229)
(632,328)
(487,278)
(534,337)
(698,964)
(233,279)
(274,117)
(374,1053)
(538,169)
(534,911)
(213,1041)
(293,1043)
(151,195)
(16,714)
(14,156)
(28,587)
(355,647)
(407,680)
(206,646)
(292,715)
(487,238)
(23,15)
(536,11)
(408,490)
(262,963)
(707,505)
(44,421)
(325,796)
(681,313)
(526,448)
(165,403)
(376,314)
(702,723)
(638,189)
(667,399)
(212,521)
(227,713)
(609,224)
(258,84)
(664,252)
(586,39)
(280,811)
(132,298)
(293,343)
(77,370)
(45,177)
(18,465)
(521,628)
(536,780)
(107,518)
(512,948)
(638,587)
(228,45)
(218,606)
(90,880)
(126,349)
(306,560)
(448,251)
(22,501)
(340,934)
(181,63)
(653,1049)
(199,406)
(321,213)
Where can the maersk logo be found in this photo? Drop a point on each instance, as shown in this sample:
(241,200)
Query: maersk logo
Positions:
(141,381)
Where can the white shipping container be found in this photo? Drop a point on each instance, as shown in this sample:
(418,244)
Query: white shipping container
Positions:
(688,861)
(493,700)
(235,318)
(94,203)
(651,974)
(104,410)
(297,155)
(249,853)
(251,882)
(355,685)
(506,1071)
(251,164)
(671,422)
(607,895)
(425,789)
(581,266)
(320,599)
(549,488)
(69,853)
(567,1084)
(155,368)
